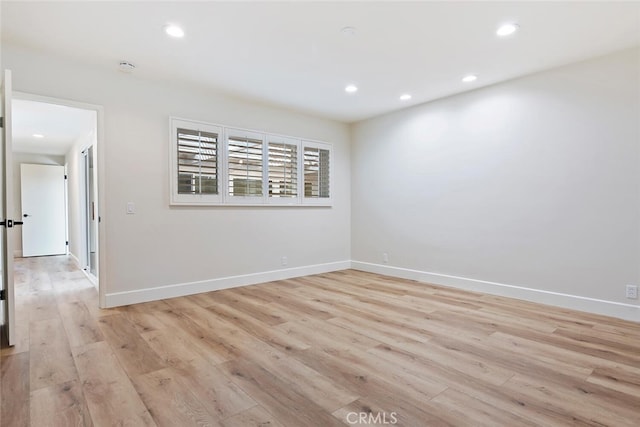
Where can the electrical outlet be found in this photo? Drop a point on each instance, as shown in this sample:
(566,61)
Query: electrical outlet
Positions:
(632,291)
(385,257)
(284,260)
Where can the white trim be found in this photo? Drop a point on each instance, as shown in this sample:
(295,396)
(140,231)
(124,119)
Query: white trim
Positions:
(76,259)
(182,289)
(573,302)
(89,276)
(66,205)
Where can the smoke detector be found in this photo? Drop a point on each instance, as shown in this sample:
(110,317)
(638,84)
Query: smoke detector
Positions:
(126,67)
(348,31)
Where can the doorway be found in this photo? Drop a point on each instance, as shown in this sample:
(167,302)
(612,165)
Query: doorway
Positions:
(68,134)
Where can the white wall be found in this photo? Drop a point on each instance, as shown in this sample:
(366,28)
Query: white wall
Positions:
(159,245)
(18,159)
(532,183)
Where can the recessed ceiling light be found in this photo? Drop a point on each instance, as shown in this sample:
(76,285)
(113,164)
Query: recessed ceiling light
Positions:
(351,89)
(405,97)
(470,78)
(174,30)
(38,135)
(507,29)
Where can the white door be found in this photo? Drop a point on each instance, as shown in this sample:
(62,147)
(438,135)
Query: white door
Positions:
(7,311)
(43,210)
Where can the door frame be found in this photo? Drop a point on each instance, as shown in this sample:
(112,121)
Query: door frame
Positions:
(7,212)
(99,147)
(86,224)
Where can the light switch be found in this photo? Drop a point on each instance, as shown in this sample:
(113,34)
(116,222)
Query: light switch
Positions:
(131,208)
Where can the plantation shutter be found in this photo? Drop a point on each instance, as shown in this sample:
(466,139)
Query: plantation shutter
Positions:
(244,165)
(283,170)
(316,172)
(197,162)
(215,165)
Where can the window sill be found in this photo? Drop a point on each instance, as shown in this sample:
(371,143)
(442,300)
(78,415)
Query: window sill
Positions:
(255,205)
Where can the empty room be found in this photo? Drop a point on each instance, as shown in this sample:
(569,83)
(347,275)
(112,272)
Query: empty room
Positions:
(320,213)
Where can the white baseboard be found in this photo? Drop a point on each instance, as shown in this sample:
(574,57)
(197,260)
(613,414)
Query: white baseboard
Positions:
(76,259)
(181,289)
(574,302)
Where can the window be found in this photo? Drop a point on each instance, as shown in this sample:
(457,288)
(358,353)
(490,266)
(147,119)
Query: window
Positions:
(217,165)
(245,164)
(195,163)
(283,170)
(316,172)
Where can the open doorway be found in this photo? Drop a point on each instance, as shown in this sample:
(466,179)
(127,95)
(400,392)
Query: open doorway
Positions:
(49,134)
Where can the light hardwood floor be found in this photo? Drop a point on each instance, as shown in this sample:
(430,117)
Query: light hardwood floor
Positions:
(313,351)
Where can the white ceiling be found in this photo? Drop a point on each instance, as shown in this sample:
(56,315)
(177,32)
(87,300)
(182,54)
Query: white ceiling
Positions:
(293,54)
(59,125)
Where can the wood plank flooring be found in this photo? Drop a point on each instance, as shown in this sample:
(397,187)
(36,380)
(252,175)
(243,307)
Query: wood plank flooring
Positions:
(344,348)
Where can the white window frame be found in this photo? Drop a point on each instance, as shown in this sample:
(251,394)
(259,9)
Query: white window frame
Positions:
(193,199)
(223,198)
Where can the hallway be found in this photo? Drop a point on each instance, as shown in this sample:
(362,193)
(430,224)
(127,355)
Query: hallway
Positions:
(45,289)
(58,301)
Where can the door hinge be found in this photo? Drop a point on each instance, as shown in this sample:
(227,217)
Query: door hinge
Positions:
(67,243)
(3,294)
(1,122)
(65,177)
